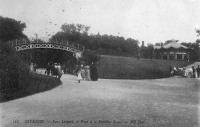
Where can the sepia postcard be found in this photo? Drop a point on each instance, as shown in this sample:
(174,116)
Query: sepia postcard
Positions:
(99,63)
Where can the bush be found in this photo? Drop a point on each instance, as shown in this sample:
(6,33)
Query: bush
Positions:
(117,67)
(11,67)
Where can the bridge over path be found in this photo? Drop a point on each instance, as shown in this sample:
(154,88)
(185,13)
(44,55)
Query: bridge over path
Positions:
(21,45)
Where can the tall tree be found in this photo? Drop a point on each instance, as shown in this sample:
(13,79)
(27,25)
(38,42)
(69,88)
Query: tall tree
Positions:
(11,29)
(101,44)
(75,28)
(11,66)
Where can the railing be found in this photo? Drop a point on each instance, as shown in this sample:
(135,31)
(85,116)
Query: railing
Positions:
(63,45)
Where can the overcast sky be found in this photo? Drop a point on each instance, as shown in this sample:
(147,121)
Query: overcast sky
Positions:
(145,20)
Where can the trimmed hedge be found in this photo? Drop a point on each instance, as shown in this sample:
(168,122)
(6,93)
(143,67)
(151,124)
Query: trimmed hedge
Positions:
(33,83)
(117,67)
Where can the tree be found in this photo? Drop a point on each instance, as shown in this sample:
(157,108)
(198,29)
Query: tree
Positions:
(198,42)
(148,51)
(101,44)
(11,66)
(75,28)
(198,48)
(90,57)
(193,50)
(11,29)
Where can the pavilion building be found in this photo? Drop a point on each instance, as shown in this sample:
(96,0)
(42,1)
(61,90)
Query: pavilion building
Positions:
(173,50)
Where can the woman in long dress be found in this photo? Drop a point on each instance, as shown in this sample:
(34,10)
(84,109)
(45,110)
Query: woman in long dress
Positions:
(87,73)
(195,73)
(94,72)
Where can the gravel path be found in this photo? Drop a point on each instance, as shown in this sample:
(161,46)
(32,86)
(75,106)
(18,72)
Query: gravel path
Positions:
(171,102)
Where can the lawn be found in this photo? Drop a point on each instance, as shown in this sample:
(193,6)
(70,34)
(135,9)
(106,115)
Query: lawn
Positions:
(116,67)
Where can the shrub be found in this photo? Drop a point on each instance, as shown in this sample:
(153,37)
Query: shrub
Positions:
(11,67)
(118,67)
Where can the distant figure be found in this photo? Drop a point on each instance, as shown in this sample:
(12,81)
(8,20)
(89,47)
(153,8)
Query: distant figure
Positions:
(184,72)
(34,67)
(51,69)
(171,70)
(198,71)
(94,72)
(59,71)
(31,67)
(83,72)
(55,71)
(196,74)
(193,71)
(79,73)
(87,73)
(48,69)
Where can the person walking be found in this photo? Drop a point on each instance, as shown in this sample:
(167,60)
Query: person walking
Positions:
(79,74)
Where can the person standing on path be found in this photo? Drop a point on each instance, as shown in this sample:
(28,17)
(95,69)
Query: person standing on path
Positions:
(193,71)
(48,69)
(198,71)
(87,72)
(59,71)
(94,72)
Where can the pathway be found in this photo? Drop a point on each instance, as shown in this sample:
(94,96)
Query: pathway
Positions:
(164,102)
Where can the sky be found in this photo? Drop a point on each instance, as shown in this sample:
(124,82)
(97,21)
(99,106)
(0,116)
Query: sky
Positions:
(151,21)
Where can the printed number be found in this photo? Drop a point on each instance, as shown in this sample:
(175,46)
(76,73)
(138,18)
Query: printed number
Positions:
(15,121)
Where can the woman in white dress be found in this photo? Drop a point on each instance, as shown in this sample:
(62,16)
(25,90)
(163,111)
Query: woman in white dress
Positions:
(79,74)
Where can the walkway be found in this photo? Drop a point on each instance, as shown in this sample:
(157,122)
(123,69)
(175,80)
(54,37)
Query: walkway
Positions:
(168,102)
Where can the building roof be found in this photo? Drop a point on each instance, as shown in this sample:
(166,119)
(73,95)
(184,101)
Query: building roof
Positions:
(172,44)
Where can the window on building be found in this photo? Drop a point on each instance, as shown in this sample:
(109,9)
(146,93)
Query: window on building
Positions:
(165,57)
(179,56)
(171,57)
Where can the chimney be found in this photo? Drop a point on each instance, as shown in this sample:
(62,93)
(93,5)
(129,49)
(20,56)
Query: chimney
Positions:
(142,43)
(161,44)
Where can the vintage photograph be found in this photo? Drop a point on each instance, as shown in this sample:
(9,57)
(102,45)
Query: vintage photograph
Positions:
(99,63)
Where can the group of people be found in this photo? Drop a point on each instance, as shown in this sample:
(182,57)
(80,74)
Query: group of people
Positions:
(87,73)
(83,72)
(54,70)
(193,72)
(196,71)
(173,71)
